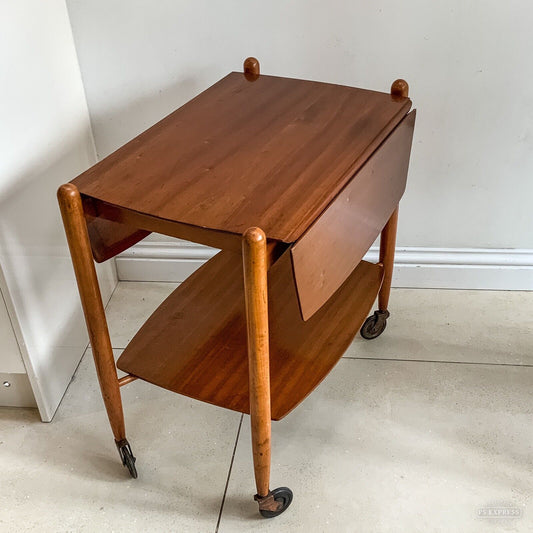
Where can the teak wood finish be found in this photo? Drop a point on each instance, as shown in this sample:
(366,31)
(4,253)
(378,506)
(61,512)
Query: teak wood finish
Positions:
(195,343)
(293,180)
(387,246)
(282,148)
(255,267)
(74,222)
(366,203)
(251,68)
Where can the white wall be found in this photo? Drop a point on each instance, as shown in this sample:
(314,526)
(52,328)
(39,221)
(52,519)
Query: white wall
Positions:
(45,140)
(468,64)
(9,349)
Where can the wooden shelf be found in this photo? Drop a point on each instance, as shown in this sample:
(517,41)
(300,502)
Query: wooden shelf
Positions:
(195,342)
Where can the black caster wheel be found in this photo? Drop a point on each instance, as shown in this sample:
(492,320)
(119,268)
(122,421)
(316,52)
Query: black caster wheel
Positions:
(275,502)
(374,325)
(128,460)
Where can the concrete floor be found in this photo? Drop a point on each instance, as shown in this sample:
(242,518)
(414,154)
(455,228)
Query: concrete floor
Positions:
(420,430)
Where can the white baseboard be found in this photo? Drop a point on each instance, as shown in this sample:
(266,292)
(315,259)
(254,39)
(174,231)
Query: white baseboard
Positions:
(418,267)
(171,261)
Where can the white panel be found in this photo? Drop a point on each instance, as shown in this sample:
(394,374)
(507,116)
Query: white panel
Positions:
(46,140)
(10,358)
(15,391)
(172,261)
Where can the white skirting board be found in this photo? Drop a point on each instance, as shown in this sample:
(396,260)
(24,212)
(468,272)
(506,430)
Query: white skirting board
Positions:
(417,267)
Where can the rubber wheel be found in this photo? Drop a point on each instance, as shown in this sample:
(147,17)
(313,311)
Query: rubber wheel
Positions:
(283,495)
(129,462)
(374,325)
(128,459)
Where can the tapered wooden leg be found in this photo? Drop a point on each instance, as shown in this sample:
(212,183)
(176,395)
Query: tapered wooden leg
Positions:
(80,250)
(387,247)
(271,503)
(375,325)
(255,283)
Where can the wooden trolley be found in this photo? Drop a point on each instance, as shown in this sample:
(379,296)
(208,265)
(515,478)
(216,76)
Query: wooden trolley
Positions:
(293,180)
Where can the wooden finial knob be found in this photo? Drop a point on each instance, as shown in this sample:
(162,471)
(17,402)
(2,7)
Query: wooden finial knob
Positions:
(251,68)
(400,88)
(254,235)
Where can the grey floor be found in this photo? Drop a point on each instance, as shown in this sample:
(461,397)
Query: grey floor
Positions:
(421,430)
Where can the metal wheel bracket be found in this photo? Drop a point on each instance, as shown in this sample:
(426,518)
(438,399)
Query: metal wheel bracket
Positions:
(126,456)
(275,502)
(374,325)
(268,503)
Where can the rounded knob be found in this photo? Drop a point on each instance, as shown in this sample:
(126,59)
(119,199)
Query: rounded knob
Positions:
(400,88)
(251,68)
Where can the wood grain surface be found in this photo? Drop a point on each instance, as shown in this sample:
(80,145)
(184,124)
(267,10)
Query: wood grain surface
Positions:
(333,246)
(387,247)
(255,267)
(110,238)
(272,153)
(195,342)
(72,212)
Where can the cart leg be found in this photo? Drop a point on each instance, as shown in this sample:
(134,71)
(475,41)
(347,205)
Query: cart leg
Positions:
(375,325)
(93,309)
(271,503)
(387,247)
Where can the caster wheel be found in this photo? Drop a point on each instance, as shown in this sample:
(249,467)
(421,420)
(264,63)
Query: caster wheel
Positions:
(128,460)
(275,503)
(374,325)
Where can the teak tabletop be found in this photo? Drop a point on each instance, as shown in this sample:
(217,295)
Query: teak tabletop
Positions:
(271,153)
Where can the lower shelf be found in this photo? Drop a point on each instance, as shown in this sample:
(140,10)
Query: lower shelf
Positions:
(195,342)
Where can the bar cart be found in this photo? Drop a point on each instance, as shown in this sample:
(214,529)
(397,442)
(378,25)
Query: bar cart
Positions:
(293,180)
